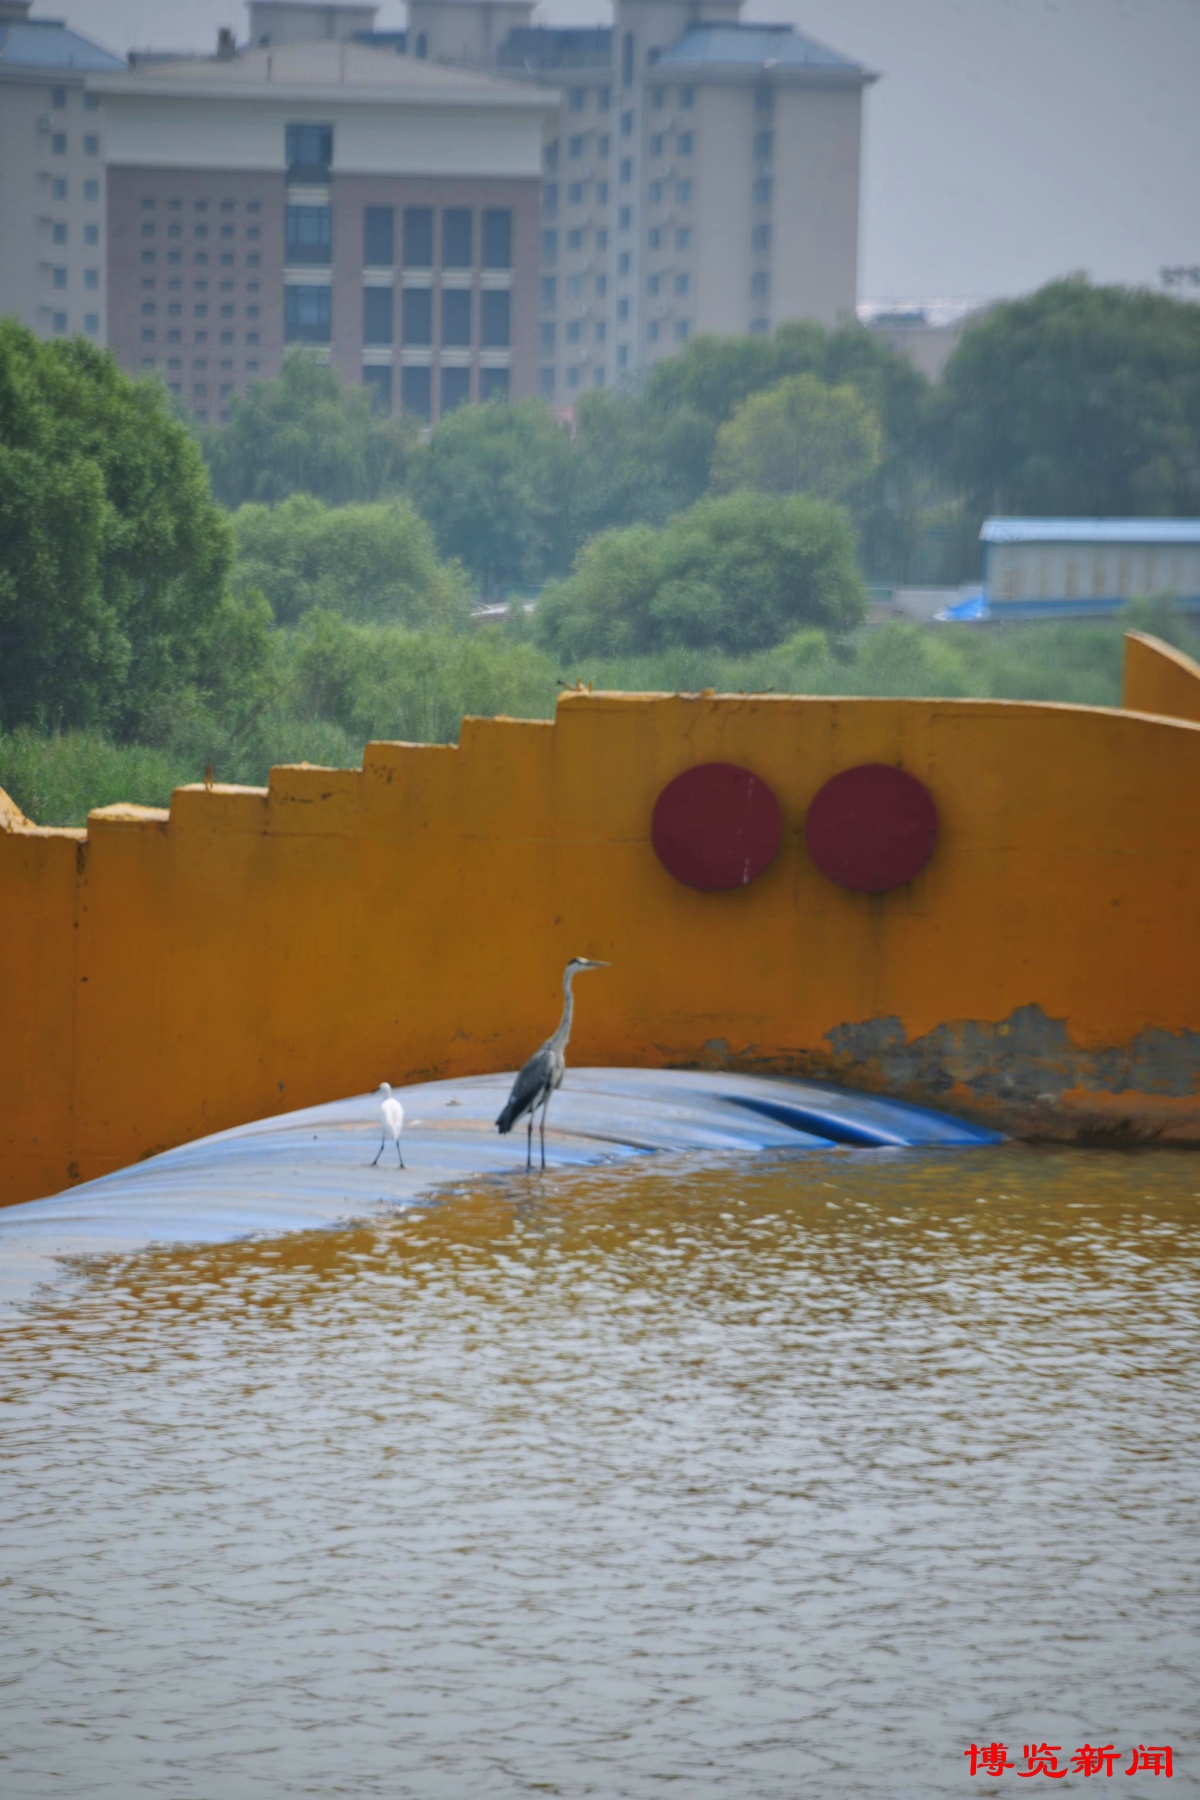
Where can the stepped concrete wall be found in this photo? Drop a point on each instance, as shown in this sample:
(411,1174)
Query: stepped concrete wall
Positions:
(167,974)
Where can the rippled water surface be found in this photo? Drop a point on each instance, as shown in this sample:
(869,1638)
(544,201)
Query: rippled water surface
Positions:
(779,1478)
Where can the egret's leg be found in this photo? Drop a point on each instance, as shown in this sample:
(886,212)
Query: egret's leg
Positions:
(379,1152)
(529,1142)
(399,1153)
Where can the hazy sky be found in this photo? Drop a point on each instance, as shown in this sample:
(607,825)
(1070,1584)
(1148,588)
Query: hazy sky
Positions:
(1007,141)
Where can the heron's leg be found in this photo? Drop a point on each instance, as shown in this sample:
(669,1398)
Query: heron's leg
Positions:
(382,1142)
(529,1142)
(399,1153)
(545,1110)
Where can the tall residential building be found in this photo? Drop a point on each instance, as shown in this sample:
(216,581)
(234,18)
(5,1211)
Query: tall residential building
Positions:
(701,175)
(327,192)
(51,176)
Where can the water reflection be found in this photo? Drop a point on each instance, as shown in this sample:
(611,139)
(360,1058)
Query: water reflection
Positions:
(789,1478)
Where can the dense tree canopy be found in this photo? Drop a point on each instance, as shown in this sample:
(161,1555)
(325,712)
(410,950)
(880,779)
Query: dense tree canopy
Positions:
(800,437)
(496,482)
(1077,400)
(370,563)
(307,433)
(113,557)
(740,573)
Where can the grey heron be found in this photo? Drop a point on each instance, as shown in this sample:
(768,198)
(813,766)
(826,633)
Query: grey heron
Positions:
(545,1069)
(393,1121)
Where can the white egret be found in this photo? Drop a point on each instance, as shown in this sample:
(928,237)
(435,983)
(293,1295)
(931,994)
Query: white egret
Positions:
(393,1121)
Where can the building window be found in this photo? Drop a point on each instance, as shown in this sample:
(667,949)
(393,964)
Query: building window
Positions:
(494,326)
(91,145)
(546,383)
(764,99)
(601,331)
(601,286)
(147,256)
(681,330)
(201,256)
(416,315)
(656,192)
(91,103)
(378,384)
(602,146)
(683,192)
(575,145)
(456,238)
(683,238)
(626,124)
(572,378)
(456,389)
(60,323)
(58,233)
(377,315)
(548,337)
(761,191)
(625,218)
(652,332)
(422,53)
(416,391)
(550,155)
(575,240)
(418,237)
(172,230)
(604,98)
(574,331)
(253,206)
(655,238)
(253,232)
(548,293)
(58,97)
(764,145)
(549,245)
(683,143)
(227,310)
(602,238)
(91,323)
(623,263)
(306,316)
(252,260)
(201,231)
(760,284)
(626,168)
(175,205)
(149,309)
(627,60)
(657,97)
(227,259)
(201,337)
(622,310)
(308,150)
(59,278)
(574,287)
(308,235)
(227,337)
(656,144)
(252,312)
(379,237)
(497,237)
(760,327)
(60,187)
(493,384)
(58,146)
(687,96)
(602,193)
(91,190)
(575,193)
(148,334)
(682,283)
(549,199)
(760,239)
(227,231)
(577,99)
(175,256)
(174,337)
(149,228)
(652,284)
(91,234)
(456,318)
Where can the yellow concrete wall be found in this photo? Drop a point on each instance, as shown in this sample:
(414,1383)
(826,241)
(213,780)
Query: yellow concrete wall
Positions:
(1158,679)
(262,949)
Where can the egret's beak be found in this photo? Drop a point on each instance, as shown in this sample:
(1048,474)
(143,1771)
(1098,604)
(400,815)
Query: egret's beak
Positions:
(596,965)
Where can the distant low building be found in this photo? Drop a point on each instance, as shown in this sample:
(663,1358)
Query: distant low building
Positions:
(1042,568)
(927,332)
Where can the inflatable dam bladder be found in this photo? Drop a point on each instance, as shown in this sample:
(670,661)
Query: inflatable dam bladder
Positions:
(313,1168)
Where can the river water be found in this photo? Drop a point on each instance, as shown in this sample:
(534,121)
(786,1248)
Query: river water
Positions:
(791,1476)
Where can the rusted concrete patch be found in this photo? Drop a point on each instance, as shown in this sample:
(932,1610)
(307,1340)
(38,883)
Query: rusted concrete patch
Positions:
(1026,1071)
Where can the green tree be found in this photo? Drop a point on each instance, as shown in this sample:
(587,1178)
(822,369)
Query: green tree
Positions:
(800,437)
(306,432)
(740,573)
(113,557)
(1077,400)
(370,562)
(496,482)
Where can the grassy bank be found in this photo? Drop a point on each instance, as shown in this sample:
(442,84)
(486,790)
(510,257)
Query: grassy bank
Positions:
(336,686)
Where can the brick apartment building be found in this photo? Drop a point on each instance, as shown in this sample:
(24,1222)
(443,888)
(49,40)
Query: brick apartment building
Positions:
(379,208)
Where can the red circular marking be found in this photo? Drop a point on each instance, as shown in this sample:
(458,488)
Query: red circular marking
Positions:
(716,826)
(872,828)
